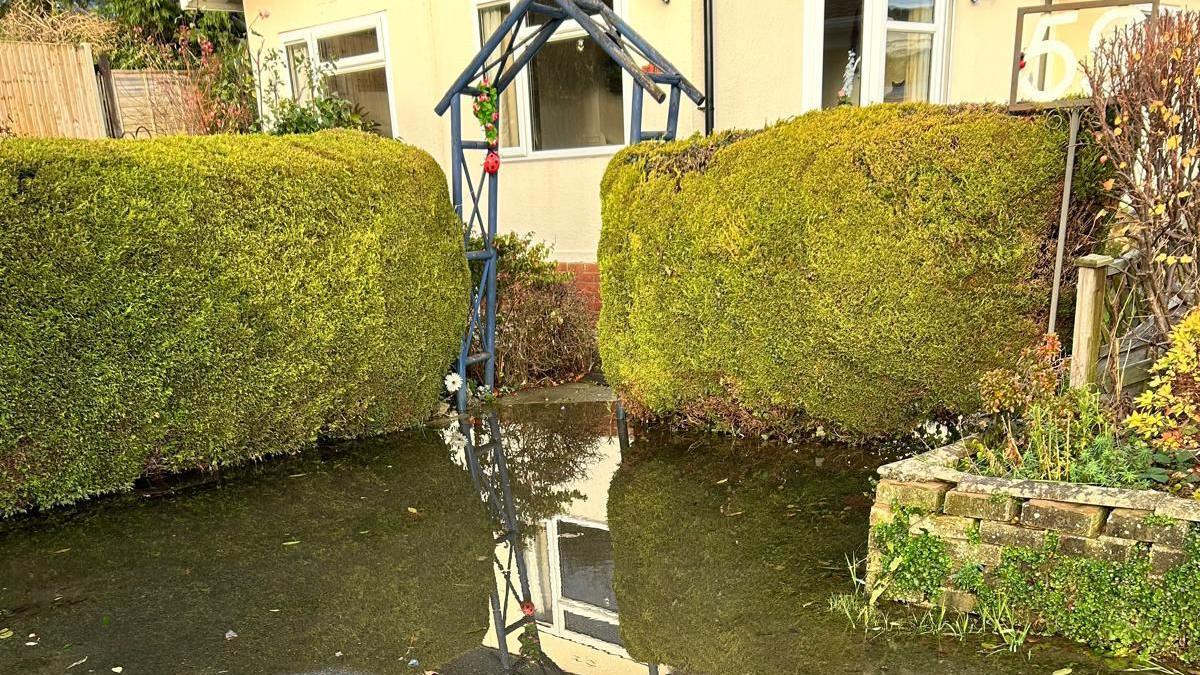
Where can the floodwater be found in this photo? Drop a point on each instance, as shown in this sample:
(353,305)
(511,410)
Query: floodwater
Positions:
(704,554)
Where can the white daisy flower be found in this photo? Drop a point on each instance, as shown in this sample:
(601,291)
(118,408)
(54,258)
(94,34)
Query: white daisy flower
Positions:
(453,382)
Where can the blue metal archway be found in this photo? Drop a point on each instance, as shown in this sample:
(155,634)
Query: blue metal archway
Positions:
(501,66)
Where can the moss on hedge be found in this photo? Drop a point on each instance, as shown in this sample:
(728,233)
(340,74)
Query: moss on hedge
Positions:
(194,302)
(859,266)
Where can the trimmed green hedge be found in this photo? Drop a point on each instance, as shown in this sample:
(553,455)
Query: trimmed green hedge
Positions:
(859,266)
(197,302)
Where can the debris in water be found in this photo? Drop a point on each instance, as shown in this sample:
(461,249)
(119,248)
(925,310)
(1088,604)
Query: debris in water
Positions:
(5,633)
(118,669)
(291,543)
(78,663)
(230,635)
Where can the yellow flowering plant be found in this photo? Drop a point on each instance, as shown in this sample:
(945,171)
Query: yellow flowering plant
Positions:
(1167,414)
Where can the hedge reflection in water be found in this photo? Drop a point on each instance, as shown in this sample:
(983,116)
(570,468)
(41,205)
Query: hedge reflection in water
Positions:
(721,557)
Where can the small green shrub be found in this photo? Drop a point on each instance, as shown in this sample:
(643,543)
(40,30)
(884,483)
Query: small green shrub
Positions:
(196,302)
(860,266)
(912,563)
(1035,426)
(1117,607)
(545,332)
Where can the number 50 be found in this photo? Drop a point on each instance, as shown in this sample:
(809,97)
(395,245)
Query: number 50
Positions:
(1043,46)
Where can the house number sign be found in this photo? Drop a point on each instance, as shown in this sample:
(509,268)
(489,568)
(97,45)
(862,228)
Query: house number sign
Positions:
(1053,40)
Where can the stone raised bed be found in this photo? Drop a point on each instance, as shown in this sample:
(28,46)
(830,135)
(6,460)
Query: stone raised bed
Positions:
(980,516)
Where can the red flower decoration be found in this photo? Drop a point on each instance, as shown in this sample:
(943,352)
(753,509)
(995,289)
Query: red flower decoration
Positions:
(492,163)
(527,608)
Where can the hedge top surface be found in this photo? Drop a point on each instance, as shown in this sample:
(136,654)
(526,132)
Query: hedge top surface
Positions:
(193,302)
(859,267)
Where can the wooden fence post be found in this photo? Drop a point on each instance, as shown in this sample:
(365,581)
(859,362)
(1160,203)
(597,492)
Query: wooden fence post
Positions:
(108,97)
(1089,313)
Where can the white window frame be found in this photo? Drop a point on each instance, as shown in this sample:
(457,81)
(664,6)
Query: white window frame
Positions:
(352,64)
(559,605)
(569,30)
(876,26)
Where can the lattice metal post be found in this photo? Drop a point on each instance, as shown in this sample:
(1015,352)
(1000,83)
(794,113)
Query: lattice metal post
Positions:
(496,490)
(624,46)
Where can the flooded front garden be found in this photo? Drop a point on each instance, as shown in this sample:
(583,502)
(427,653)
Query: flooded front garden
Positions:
(705,554)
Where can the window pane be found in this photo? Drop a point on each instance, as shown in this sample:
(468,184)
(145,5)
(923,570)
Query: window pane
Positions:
(585,559)
(908,66)
(576,97)
(489,21)
(342,46)
(840,68)
(920,11)
(368,90)
(535,19)
(299,71)
(601,630)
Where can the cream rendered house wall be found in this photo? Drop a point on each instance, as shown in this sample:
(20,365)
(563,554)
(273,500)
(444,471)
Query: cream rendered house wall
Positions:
(760,78)
(430,41)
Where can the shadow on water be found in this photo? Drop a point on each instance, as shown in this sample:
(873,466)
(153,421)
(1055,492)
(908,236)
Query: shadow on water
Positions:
(713,556)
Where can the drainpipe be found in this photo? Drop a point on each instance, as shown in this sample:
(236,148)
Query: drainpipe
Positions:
(710,79)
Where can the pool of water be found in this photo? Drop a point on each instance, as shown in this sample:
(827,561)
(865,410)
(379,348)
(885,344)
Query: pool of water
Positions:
(702,553)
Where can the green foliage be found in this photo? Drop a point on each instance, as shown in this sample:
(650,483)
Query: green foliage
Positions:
(545,332)
(1037,427)
(314,108)
(1116,607)
(911,563)
(859,266)
(1168,412)
(195,302)
(164,23)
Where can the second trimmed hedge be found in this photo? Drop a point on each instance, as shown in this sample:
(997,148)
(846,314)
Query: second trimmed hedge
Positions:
(856,268)
(195,302)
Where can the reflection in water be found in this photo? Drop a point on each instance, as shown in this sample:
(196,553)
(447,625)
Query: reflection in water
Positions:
(712,555)
(360,560)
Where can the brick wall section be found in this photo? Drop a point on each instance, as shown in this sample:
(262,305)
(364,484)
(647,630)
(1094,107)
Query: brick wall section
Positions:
(1106,524)
(587,280)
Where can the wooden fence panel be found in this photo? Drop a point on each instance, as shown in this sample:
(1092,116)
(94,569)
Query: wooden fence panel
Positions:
(50,90)
(153,102)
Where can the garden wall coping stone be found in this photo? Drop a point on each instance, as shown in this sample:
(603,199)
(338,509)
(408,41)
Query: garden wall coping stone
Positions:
(939,465)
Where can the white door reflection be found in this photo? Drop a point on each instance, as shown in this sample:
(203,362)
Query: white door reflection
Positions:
(570,565)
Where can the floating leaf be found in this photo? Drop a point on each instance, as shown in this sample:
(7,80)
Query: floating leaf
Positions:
(5,633)
(291,543)
(1063,671)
